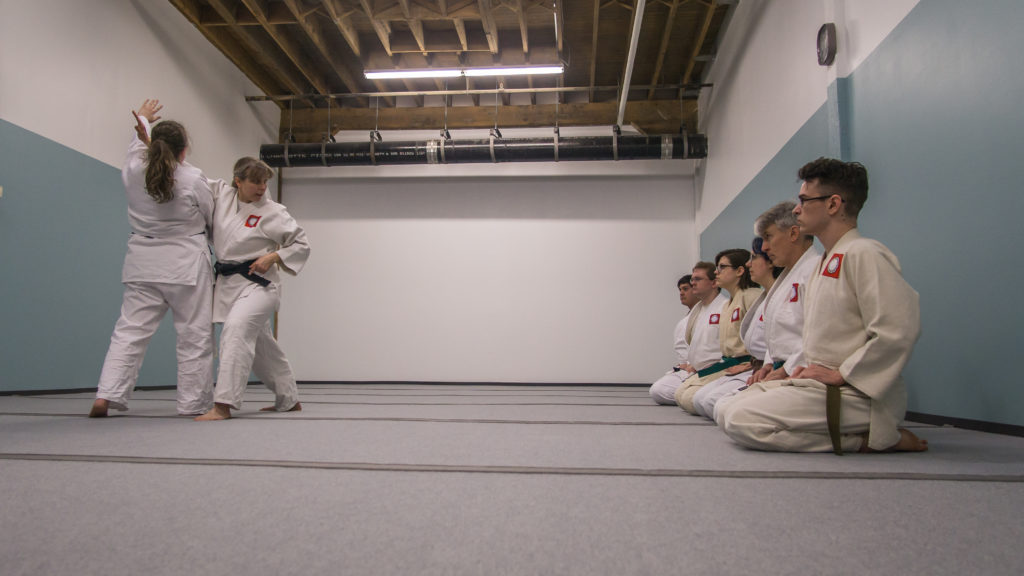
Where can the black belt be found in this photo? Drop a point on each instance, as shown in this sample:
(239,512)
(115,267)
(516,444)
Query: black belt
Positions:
(242,269)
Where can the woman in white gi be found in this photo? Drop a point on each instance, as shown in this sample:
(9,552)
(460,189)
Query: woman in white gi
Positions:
(733,276)
(253,237)
(752,332)
(170,209)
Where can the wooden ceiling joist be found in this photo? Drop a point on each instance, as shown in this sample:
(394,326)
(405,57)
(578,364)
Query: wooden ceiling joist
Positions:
(648,116)
(490,29)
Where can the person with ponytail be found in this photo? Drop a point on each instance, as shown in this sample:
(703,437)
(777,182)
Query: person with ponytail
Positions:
(167,266)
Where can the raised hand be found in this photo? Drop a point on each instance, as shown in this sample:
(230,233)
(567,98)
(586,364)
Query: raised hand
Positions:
(149,109)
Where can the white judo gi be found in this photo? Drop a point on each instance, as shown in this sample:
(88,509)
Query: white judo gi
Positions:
(860,318)
(243,232)
(167,265)
(701,336)
(752,331)
(730,346)
(662,392)
(783,332)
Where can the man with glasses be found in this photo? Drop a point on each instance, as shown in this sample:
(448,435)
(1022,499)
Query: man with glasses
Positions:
(861,320)
(701,334)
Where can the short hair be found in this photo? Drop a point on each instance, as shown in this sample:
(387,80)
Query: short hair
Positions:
(684,280)
(252,169)
(781,215)
(847,179)
(707,267)
(738,257)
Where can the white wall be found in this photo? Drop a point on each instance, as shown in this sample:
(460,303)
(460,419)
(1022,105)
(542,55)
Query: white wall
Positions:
(513,279)
(73,71)
(767,83)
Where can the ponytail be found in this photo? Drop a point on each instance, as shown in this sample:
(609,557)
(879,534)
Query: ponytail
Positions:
(167,141)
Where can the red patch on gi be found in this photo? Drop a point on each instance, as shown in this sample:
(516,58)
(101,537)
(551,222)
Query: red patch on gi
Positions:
(760,318)
(735,314)
(251,221)
(714,318)
(795,294)
(833,267)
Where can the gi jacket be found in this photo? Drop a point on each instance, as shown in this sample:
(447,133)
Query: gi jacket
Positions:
(169,241)
(245,231)
(862,319)
(784,313)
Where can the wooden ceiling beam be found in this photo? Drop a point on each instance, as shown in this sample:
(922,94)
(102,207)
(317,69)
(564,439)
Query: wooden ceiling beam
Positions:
(421,12)
(314,30)
(381,27)
(265,55)
(559,25)
(344,24)
(460,29)
(520,9)
(708,15)
(490,29)
(289,46)
(593,46)
(415,25)
(666,34)
(648,116)
(230,47)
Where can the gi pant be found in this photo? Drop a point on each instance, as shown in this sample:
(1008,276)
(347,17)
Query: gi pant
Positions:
(707,396)
(789,416)
(663,390)
(685,393)
(142,309)
(247,344)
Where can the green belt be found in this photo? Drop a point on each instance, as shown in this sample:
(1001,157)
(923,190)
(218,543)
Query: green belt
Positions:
(778,364)
(832,402)
(723,364)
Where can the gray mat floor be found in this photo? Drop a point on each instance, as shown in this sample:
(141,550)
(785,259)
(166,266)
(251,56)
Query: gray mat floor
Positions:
(472,479)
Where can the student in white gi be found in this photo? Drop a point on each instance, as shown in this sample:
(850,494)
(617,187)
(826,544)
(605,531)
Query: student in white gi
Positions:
(752,332)
(689,299)
(861,320)
(701,333)
(253,237)
(734,277)
(167,265)
(794,251)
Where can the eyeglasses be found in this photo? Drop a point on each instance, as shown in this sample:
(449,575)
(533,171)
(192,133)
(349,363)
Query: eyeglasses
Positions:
(695,279)
(721,267)
(803,199)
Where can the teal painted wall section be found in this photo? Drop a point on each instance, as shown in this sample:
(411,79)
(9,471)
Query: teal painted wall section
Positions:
(63,228)
(777,181)
(934,114)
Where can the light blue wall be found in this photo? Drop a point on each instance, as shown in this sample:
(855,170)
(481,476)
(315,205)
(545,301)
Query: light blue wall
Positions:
(63,228)
(934,114)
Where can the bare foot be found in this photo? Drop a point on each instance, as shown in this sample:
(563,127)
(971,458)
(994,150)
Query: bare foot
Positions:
(908,442)
(219,412)
(296,408)
(99,408)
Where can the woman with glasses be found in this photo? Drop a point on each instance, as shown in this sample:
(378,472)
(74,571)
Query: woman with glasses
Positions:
(752,333)
(733,276)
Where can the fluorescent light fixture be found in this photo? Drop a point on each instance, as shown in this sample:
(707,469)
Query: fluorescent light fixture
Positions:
(435,73)
(456,72)
(514,70)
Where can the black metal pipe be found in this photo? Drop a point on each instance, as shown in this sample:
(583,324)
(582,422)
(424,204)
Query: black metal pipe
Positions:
(486,150)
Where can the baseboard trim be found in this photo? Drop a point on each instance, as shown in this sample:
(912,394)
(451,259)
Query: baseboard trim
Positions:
(430,382)
(966,423)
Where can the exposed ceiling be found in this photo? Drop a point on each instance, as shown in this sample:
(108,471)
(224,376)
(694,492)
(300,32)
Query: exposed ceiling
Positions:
(309,57)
